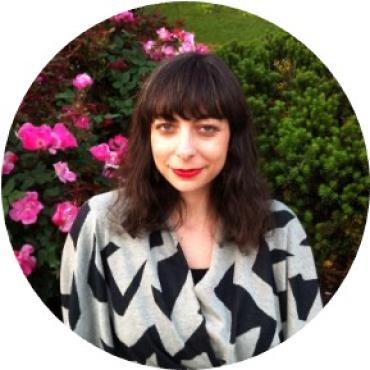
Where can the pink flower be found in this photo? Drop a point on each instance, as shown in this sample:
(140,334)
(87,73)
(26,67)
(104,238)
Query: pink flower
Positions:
(201,48)
(26,209)
(127,17)
(184,36)
(156,54)
(168,51)
(112,161)
(62,138)
(82,81)
(82,122)
(65,215)
(8,165)
(44,137)
(186,47)
(108,172)
(164,34)
(187,37)
(35,137)
(118,142)
(100,152)
(25,260)
(64,173)
(148,46)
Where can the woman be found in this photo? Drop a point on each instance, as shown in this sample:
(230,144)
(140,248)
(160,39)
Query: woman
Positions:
(189,264)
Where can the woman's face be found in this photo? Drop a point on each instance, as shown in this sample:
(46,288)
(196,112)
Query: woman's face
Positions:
(190,154)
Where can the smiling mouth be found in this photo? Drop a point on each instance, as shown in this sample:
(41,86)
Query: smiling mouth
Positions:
(187,173)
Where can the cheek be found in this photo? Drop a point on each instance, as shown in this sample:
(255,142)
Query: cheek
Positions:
(217,151)
(160,149)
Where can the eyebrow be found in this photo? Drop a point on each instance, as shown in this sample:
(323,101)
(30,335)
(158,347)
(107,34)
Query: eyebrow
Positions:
(215,121)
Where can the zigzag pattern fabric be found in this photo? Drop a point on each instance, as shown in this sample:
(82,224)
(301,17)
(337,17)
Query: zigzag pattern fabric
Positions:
(135,297)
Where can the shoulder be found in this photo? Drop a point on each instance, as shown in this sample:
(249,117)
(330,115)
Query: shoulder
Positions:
(103,202)
(95,210)
(285,226)
(279,206)
(282,215)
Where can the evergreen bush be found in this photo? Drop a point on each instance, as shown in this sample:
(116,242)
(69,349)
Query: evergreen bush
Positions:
(313,153)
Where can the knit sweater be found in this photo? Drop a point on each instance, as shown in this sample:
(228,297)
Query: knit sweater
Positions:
(135,297)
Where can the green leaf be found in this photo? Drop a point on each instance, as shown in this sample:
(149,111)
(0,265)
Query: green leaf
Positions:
(52,192)
(5,205)
(27,183)
(15,195)
(9,186)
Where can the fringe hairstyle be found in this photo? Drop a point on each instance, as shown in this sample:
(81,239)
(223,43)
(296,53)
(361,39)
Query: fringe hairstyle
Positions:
(194,86)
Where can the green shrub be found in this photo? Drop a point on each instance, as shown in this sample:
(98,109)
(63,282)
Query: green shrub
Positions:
(312,149)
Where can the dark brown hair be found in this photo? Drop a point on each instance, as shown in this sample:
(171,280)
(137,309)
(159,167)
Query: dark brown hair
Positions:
(194,86)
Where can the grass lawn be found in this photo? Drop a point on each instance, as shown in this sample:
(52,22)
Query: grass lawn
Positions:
(214,24)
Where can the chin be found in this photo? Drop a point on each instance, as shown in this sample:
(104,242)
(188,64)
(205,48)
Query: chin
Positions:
(185,188)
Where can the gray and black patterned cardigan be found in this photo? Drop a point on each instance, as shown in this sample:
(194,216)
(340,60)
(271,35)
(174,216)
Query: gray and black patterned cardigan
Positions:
(136,298)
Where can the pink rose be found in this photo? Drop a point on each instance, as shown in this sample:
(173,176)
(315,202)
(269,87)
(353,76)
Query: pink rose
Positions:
(156,54)
(62,138)
(82,122)
(186,47)
(164,34)
(26,209)
(187,37)
(168,51)
(201,48)
(64,173)
(118,142)
(112,161)
(35,137)
(148,46)
(100,152)
(127,17)
(82,81)
(25,260)
(65,215)
(8,165)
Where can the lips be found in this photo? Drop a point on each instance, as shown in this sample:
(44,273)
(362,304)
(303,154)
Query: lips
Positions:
(187,173)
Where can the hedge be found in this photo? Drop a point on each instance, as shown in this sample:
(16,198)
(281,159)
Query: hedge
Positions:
(312,149)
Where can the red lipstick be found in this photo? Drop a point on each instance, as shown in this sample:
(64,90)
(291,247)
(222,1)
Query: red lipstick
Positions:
(187,173)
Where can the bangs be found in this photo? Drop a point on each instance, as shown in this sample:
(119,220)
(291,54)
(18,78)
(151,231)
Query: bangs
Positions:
(189,90)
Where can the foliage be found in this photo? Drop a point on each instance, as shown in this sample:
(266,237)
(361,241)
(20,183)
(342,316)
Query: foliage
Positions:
(93,113)
(312,149)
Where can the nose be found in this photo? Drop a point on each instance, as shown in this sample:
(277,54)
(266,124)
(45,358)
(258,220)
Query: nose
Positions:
(185,147)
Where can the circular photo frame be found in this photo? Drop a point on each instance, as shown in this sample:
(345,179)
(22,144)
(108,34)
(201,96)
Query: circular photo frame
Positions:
(71,133)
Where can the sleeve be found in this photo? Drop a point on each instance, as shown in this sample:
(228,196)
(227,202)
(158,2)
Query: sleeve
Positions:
(85,308)
(302,294)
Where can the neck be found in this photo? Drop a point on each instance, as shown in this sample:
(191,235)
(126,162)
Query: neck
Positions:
(198,210)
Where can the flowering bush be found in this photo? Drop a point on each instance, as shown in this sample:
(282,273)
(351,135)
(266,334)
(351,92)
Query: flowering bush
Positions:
(68,136)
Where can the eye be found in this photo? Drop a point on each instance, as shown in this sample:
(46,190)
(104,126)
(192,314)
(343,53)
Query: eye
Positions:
(208,129)
(165,127)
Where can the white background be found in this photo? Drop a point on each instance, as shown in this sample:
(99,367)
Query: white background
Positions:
(32,32)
